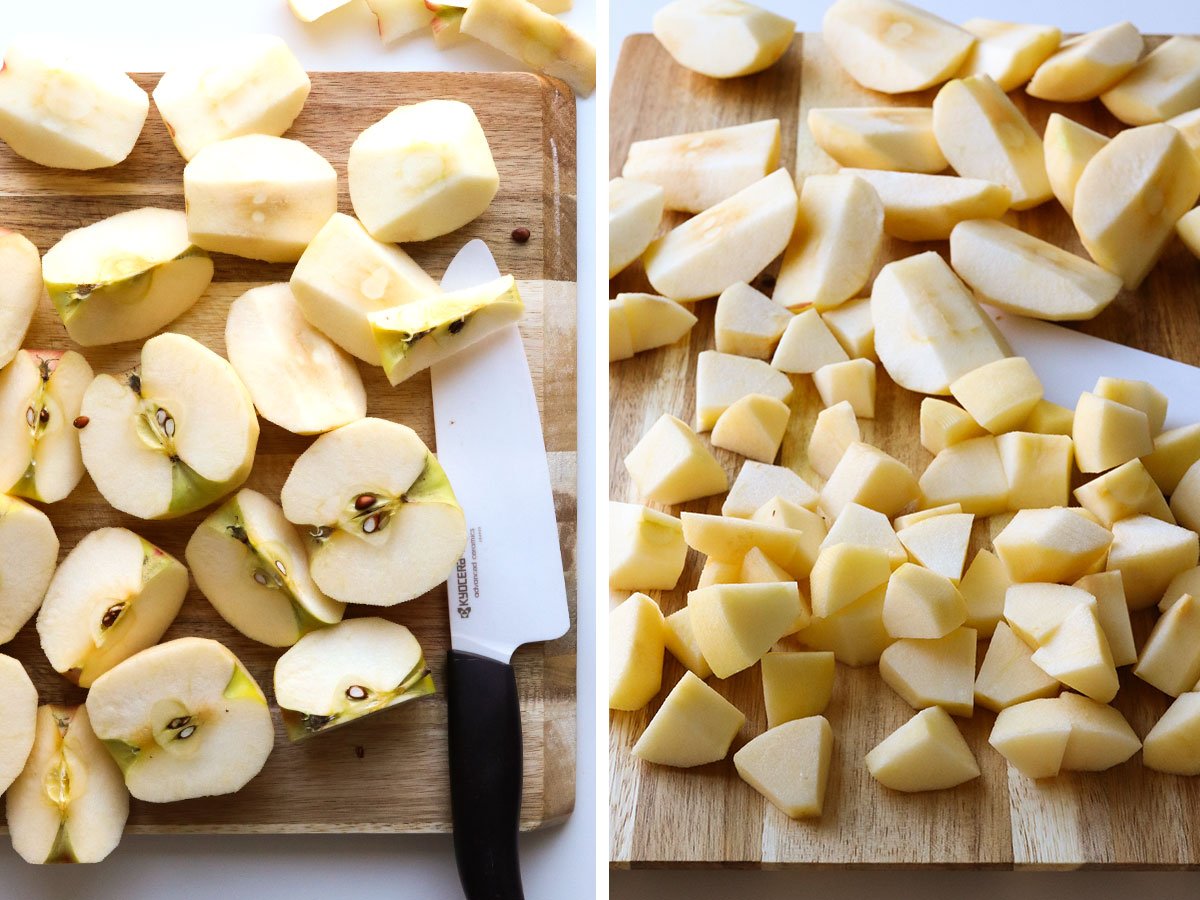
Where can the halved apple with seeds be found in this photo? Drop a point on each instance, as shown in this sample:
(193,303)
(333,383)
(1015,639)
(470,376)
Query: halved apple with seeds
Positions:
(20,292)
(125,277)
(114,595)
(252,565)
(183,719)
(18,706)
(354,669)
(173,435)
(70,803)
(413,336)
(40,396)
(28,553)
(385,524)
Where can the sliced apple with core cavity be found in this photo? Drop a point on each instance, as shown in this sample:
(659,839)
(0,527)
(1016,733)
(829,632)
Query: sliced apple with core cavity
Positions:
(20,293)
(183,719)
(927,207)
(1087,65)
(386,526)
(634,210)
(1069,147)
(894,138)
(28,554)
(173,435)
(336,675)
(1166,83)
(252,565)
(18,705)
(722,38)
(536,38)
(125,277)
(114,595)
(1008,52)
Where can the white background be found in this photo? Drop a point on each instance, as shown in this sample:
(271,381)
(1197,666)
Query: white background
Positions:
(143,35)
(1151,16)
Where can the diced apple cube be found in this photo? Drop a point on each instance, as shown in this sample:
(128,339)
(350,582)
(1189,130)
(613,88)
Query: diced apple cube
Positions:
(854,634)
(926,753)
(1113,613)
(1051,545)
(646,550)
(1170,659)
(1188,125)
(635,653)
(1100,736)
(1149,553)
(1175,452)
(722,40)
(722,379)
(729,540)
(1008,675)
(1008,52)
(1087,65)
(1050,418)
(912,518)
(639,322)
(757,568)
(694,726)
(796,685)
(789,765)
(748,322)
(920,603)
(868,476)
(853,381)
(807,345)
(1173,744)
(1125,491)
(969,473)
(1165,83)
(852,325)
(1035,610)
(718,571)
(807,527)
(670,465)
(758,483)
(681,642)
(999,395)
(894,138)
(1108,434)
(1186,582)
(939,543)
(927,207)
(736,624)
(1032,736)
(835,430)
(1185,501)
(1077,654)
(933,672)
(983,588)
(844,573)
(1038,468)
(943,424)
(634,210)
(1138,394)
(1069,147)
(866,528)
(753,427)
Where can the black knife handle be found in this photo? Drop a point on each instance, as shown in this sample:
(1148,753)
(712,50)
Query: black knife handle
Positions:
(485,775)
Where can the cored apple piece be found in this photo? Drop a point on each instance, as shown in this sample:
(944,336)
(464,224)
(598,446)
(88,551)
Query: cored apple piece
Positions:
(397,18)
(171,436)
(852,381)
(670,465)
(1138,394)
(640,322)
(970,474)
(1185,502)
(1050,418)
(757,484)
(753,427)
(1171,746)
(926,753)
(1042,737)
(789,765)
(1087,65)
(1188,125)
(736,624)
(835,430)
(796,685)
(1108,434)
(894,138)
(536,38)
(927,207)
(1008,52)
(999,395)
(182,719)
(865,527)
(125,277)
(1069,147)
(748,322)
(1053,545)
(636,643)
(1008,675)
(1112,611)
(681,642)
(67,111)
(18,705)
(1078,655)
(646,550)
(252,84)
(1149,553)
(933,672)
(921,603)
(1038,468)
(1175,452)
(720,39)
(28,554)
(844,574)
(386,526)
(728,540)
(851,324)
(1164,84)
(939,543)
(807,345)
(1170,659)
(694,726)
(869,477)
(854,634)
(1127,490)
(634,210)
(943,425)
(722,379)
(20,292)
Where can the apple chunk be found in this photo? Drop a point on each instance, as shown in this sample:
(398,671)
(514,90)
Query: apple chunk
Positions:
(723,378)
(125,277)
(1087,65)
(636,643)
(1188,228)
(736,624)
(386,526)
(671,466)
(1069,147)
(639,322)
(898,139)
(20,293)
(1008,52)
(114,595)
(789,765)
(920,207)
(28,554)
(646,550)
(796,685)
(721,39)
(694,726)
(536,38)
(1173,744)
(18,704)
(926,753)
(336,675)
(748,322)
(1164,84)
(1052,545)
(634,210)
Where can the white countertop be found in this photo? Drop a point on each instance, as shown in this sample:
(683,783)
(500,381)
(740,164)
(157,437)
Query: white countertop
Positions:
(142,35)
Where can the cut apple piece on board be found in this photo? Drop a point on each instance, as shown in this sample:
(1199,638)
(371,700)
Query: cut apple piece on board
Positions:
(1149,553)
(1131,194)
(728,540)
(1108,434)
(1050,418)
(1087,65)
(1173,744)
(252,565)
(920,603)
(753,426)
(1185,502)
(844,574)
(700,169)
(722,379)
(999,395)
(114,595)
(20,293)
(1032,736)
(397,18)
(634,210)
(796,685)
(1038,468)
(125,277)
(758,484)
(1174,452)
(933,672)
(416,335)
(645,322)
(727,243)
(927,207)
(1077,654)
(971,474)
(722,39)
(19,705)
(892,47)
(258,196)
(789,765)
(297,377)
(681,642)
(67,111)
(929,330)
(854,634)
(385,524)
(1188,228)
(736,624)
(1034,611)
(1125,491)
(1022,274)
(636,644)
(171,436)
(943,424)
(926,753)
(251,84)
(345,275)
(1051,545)
(869,477)
(694,726)
(852,381)
(182,719)
(28,555)
(866,528)
(40,397)
(1166,83)
(894,138)
(670,464)
(807,345)
(1170,659)
(1138,394)
(337,675)
(748,322)
(70,804)
(852,326)
(939,543)
(1008,675)
(536,38)
(1113,613)
(1008,52)
(1069,147)
(835,430)
(646,550)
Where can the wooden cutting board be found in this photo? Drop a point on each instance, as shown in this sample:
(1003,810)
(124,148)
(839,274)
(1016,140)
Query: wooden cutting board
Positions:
(1128,816)
(389,772)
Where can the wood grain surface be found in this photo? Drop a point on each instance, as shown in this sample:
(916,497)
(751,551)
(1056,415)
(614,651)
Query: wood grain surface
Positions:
(1128,816)
(388,772)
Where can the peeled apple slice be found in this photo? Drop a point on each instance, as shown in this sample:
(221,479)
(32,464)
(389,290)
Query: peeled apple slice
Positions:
(414,336)
(536,38)
(1008,52)
(722,38)
(1163,85)
(20,292)
(1087,65)
(926,753)
(639,322)
(695,725)
(28,554)
(18,704)
(789,765)
(894,138)
(385,524)
(927,207)
(1069,147)
(634,210)
(357,668)
(892,47)
(125,277)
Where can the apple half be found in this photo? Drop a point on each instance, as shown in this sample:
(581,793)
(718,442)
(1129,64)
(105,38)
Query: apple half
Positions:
(20,292)
(385,524)
(183,719)
(125,277)
(114,595)
(356,668)
(28,555)
(252,565)
(171,436)
(18,705)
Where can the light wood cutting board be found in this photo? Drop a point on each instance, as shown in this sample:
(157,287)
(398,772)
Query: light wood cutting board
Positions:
(389,772)
(1128,816)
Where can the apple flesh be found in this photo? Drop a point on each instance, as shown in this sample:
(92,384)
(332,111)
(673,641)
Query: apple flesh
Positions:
(252,84)
(670,464)
(1069,147)
(789,765)
(634,210)
(835,430)
(752,427)
(943,424)
(694,726)
(171,436)
(1127,490)
(894,138)
(926,753)
(933,672)
(723,378)
(999,395)
(356,668)
(20,293)
(1087,65)
(28,555)
(807,345)
(1051,545)
(796,685)
(1042,737)
(852,381)
(1108,433)
(41,393)
(536,38)
(971,474)
(748,322)
(67,112)
(1149,553)
(736,624)
(1166,83)
(728,540)
(1008,52)
(1188,228)
(646,548)
(865,527)
(721,39)
(1138,394)
(125,277)
(869,477)
(983,587)
(252,565)
(1171,745)
(636,644)
(114,595)
(640,322)
(681,642)
(1038,468)
(397,18)
(758,484)
(1008,675)
(920,207)
(939,543)
(19,706)
(921,603)
(385,525)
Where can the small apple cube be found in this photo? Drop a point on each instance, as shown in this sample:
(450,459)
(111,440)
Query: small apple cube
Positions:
(1185,502)
(943,425)
(1186,582)
(1100,736)
(1069,148)
(844,573)
(1035,610)
(1173,744)
(789,765)
(670,465)
(1038,468)
(853,381)
(736,624)
(757,484)
(646,550)
(1170,659)
(728,540)
(1008,675)
(1050,418)
(635,653)
(681,642)
(723,378)
(757,568)
(869,477)
(983,587)
(753,427)
(1032,736)
(866,528)
(722,40)
(933,672)
(1125,491)
(999,395)
(796,685)
(1165,83)
(807,345)
(927,207)
(807,530)
(1077,654)
(748,322)
(536,38)
(634,210)
(716,571)
(1138,394)
(854,634)
(892,138)
(1113,614)
(852,325)
(926,753)
(1149,553)
(1108,434)
(1008,52)
(1188,124)
(835,430)
(920,603)
(648,321)
(695,725)
(939,543)
(1175,452)
(969,473)
(1054,545)
(1087,65)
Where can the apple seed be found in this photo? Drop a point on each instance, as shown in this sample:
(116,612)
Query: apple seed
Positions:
(281,567)
(178,723)
(44,416)
(364,501)
(30,417)
(81,421)
(109,619)
(260,577)
(371,524)
(186,733)
(356,692)
(456,327)
(520,235)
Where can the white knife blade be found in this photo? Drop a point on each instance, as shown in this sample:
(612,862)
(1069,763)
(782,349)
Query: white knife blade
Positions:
(508,589)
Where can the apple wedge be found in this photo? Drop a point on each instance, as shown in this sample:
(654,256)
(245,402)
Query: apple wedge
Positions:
(337,675)
(183,719)
(20,293)
(1008,52)
(1166,83)
(252,565)
(171,436)
(297,377)
(1087,65)
(40,397)
(835,429)
(636,644)
(536,38)
(252,84)
(1069,147)
(19,704)
(944,424)
(634,210)
(927,207)
(125,277)
(640,322)
(694,726)
(894,138)
(722,39)
(70,804)
(646,548)
(806,344)
(385,525)
(28,555)
(67,111)
(114,595)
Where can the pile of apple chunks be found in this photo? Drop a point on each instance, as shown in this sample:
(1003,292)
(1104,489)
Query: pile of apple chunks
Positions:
(871,567)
